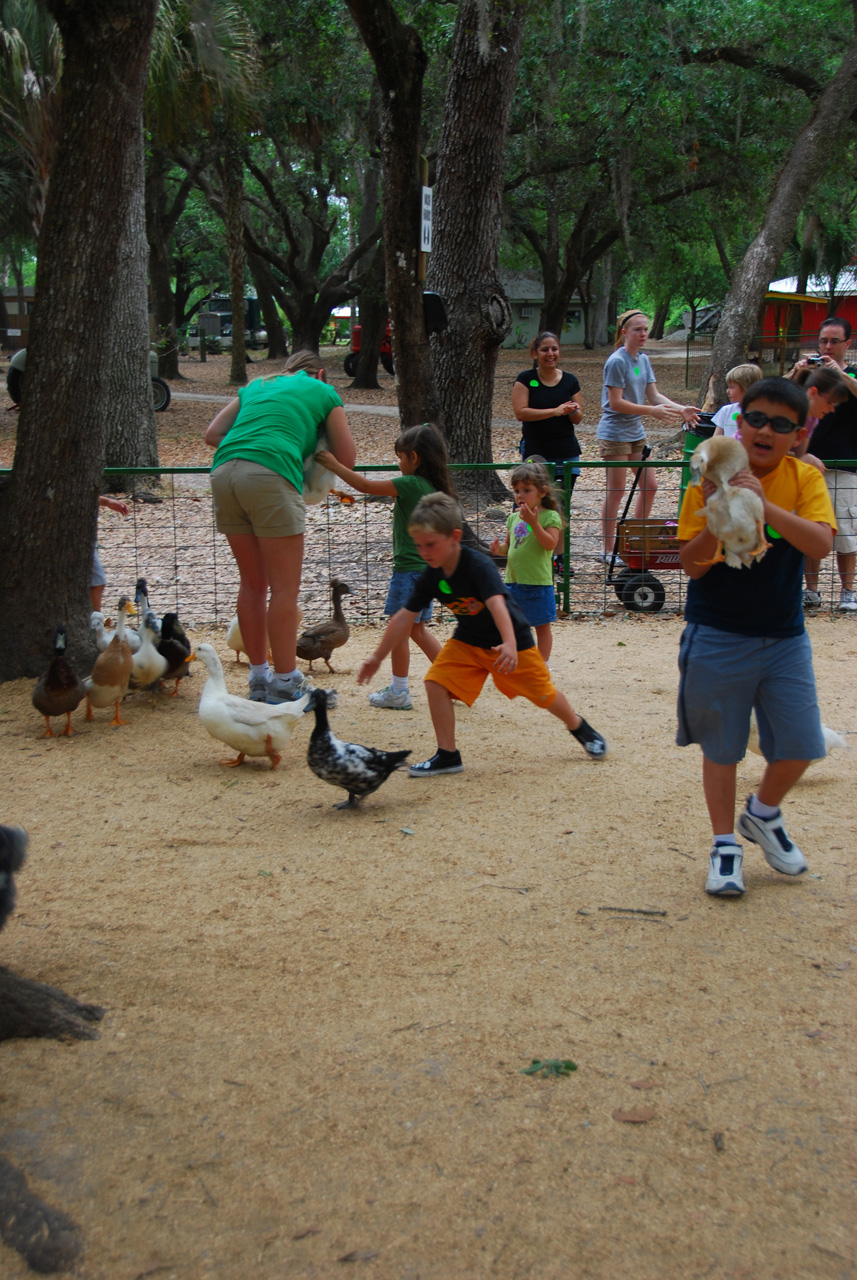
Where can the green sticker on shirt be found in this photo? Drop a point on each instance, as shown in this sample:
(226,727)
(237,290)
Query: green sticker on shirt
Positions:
(534,383)
(772,533)
(636,372)
(445,587)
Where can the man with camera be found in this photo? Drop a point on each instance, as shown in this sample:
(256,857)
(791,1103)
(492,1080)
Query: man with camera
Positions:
(833,439)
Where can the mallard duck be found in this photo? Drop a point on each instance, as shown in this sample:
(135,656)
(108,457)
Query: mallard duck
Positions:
(359,770)
(59,691)
(103,633)
(251,728)
(112,671)
(321,640)
(176,648)
(148,666)
(735,516)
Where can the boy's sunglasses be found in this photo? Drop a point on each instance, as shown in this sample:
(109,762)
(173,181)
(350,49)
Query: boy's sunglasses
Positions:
(756,419)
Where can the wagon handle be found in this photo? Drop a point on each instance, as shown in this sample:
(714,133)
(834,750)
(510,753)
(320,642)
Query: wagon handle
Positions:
(637,473)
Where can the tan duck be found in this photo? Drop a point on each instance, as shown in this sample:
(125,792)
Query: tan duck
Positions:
(112,671)
(321,640)
(59,691)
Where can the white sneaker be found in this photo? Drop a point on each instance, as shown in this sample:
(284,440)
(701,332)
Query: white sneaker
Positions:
(771,836)
(724,872)
(606,557)
(847,601)
(291,691)
(390,700)
(811,599)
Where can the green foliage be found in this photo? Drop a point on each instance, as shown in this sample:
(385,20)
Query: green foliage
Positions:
(549,1067)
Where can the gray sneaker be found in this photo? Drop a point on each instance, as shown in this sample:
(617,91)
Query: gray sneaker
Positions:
(811,599)
(771,836)
(289,690)
(724,871)
(391,701)
(259,688)
(847,601)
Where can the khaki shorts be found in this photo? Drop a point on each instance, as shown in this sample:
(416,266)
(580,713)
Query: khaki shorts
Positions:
(462,669)
(612,450)
(250,498)
(842,486)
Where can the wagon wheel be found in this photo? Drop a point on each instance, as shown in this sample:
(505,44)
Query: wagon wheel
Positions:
(349,364)
(643,593)
(618,583)
(387,362)
(161,395)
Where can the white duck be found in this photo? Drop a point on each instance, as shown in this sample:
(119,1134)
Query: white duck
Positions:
(318,481)
(148,665)
(833,741)
(103,633)
(109,680)
(735,516)
(235,640)
(251,728)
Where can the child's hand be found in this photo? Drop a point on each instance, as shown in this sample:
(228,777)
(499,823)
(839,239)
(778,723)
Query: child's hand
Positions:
(690,415)
(746,480)
(367,670)
(495,547)
(529,514)
(113,504)
(326,458)
(507,657)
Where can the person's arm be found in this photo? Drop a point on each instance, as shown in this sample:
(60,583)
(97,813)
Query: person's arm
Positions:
(397,630)
(222,423)
(523,412)
(507,650)
(339,436)
(357,481)
(653,396)
(113,504)
(618,403)
(811,537)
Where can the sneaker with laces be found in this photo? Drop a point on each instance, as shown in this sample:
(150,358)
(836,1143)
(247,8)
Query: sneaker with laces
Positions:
(448,762)
(259,688)
(390,700)
(811,599)
(289,690)
(847,601)
(724,871)
(771,836)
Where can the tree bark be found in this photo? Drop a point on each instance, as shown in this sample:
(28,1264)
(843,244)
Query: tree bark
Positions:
(400,64)
(263,279)
(466,236)
(48,516)
(803,168)
(233,196)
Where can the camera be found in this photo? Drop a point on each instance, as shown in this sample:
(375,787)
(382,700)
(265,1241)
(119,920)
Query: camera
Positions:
(814,360)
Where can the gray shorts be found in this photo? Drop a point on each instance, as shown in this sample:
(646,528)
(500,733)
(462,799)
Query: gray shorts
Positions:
(842,486)
(725,676)
(250,498)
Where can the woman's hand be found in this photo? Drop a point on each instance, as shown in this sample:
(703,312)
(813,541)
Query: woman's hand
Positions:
(690,415)
(665,413)
(570,408)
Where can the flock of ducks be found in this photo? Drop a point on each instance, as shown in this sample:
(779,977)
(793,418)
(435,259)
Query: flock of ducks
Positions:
(159,650)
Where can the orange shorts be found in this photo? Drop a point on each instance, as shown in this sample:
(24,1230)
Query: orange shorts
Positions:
(462,669)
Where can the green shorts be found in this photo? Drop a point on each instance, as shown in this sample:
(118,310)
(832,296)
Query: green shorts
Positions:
(250,498)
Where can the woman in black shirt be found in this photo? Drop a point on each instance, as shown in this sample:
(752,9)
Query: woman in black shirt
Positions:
(546,402)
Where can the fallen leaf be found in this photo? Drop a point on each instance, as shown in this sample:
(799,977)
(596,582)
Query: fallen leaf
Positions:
(637,1115)
(643,1084)
(627,1182)
(307,1231)
(358,1255)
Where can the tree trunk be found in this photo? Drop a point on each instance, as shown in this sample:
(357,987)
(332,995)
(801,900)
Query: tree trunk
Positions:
(659,319)
(263,279)
(466,236)
(373,325)
(48,516)
(804,167)
(233,194)
(400,64)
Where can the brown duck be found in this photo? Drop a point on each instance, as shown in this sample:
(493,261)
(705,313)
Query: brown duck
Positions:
(60,691)
(321,640)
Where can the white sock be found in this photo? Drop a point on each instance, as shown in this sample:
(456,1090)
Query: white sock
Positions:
(399,684)
(260,669)
(727,838)
(760,810)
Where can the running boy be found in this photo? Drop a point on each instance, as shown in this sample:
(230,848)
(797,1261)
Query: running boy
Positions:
(492,637)
(745,645)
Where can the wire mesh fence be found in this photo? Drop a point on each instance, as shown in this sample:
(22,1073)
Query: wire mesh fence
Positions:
(170,538)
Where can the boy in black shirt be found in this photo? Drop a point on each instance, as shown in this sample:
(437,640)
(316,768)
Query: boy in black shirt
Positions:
(492,637)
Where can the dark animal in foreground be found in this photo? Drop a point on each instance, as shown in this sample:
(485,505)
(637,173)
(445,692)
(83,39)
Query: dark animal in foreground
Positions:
(59,691)
(176,648)
(13,851)
(321,640)
(358,770)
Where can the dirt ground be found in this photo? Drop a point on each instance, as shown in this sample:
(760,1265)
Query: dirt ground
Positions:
(311,1062)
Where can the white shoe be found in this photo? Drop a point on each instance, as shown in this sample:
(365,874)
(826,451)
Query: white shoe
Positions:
(606,557)
(811,599)
(771,836)
(847,601)
(390,700)
(724,872)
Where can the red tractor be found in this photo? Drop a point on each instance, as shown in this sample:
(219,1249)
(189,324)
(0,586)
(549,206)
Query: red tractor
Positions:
(350,362)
